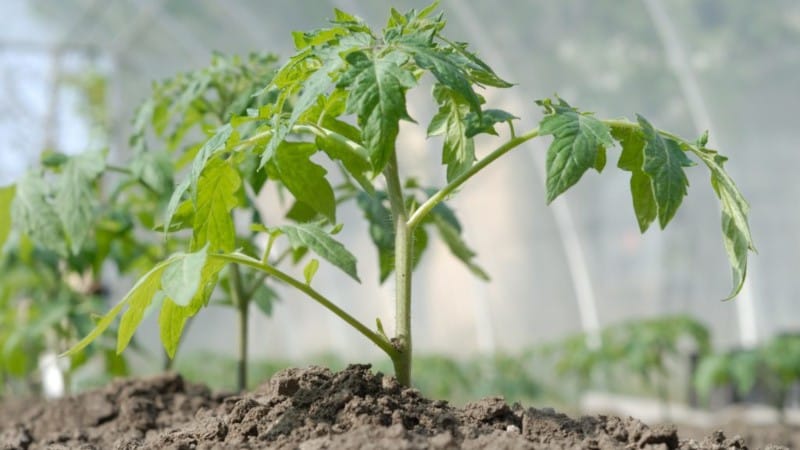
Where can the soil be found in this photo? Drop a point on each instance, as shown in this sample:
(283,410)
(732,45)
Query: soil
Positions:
(314,408)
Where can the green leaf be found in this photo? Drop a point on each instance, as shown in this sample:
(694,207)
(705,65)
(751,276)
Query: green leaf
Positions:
(300,212)
(174,202)
(213,145)
(35,216)
(458,151)
(313,73)
(6,199)
(182,280)
(664,161)
(478,71)
(171,322)
(441,63)
(377,88)
(305,179)
(577,136)
(600,161)
(138,299)
(486,120)
(76,198)
(321,243)
(380,229)
(735,226)
(310,270)
(215,198)
(356,162)
(265,297)
(632,160)
(451,236)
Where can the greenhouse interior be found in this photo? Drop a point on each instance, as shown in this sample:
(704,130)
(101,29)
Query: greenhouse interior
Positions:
(116,116)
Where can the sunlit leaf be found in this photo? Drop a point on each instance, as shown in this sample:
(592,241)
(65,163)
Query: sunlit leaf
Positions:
(181,280)
(214,200)
(377,88)
(6,199)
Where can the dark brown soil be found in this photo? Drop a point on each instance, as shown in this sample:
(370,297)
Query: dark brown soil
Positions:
(314,409)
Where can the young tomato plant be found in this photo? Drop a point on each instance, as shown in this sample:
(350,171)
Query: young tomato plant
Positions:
(78,214)
(642,348)
(342,96)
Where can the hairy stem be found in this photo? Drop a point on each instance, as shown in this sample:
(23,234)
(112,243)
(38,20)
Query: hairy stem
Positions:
(440,196)
(377,339)
(242,304)
(403,260)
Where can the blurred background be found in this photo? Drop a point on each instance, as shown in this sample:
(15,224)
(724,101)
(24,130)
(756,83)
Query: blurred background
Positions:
(73,71)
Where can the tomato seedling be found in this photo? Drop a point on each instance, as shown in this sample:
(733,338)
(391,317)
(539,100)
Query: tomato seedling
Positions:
(342,96)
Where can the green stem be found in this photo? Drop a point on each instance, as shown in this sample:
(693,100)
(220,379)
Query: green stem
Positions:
(403,261)
(377,339)
(425,208)
(241,303)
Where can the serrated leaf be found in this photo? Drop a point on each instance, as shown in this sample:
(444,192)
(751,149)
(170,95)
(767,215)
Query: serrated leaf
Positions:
(577,136)
(376,94)
(313,73)
(305,179)
(632,159)
(452,238)
(356,163)
(182,280)
(138,299)
(76,198)
(486,120)
(664,160)
(735,227)
(6,199)
(35,216)
(181,219)
(458,150)
(215,198)
(173,317)
(479,72)
(441,63)
(321,243)
(213,145)
(310,270)
(171,321)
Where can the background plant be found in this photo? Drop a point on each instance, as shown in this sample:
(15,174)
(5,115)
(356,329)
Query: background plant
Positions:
(80,215)
(650,350)
(349,72)
(773,367)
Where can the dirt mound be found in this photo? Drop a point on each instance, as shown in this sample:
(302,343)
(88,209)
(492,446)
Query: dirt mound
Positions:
(314,409)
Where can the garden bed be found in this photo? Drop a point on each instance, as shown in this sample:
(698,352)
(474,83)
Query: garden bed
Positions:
(313,408)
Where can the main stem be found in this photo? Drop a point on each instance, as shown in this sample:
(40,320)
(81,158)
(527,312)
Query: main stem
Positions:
(403,260)
(242,304)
